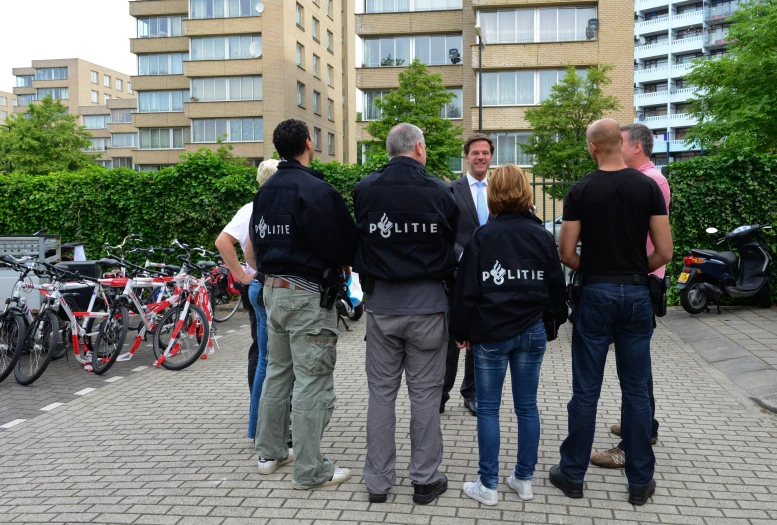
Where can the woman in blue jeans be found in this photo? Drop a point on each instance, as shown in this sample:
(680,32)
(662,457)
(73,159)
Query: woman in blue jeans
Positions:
(509,288)
(254,295)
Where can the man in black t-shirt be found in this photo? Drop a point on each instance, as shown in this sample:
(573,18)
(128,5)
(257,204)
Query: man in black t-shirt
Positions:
(610,211)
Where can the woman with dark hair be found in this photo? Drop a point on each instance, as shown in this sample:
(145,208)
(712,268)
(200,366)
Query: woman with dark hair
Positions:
(509,281)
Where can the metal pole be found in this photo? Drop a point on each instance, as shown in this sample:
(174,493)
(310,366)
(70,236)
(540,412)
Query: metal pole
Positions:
(480,84)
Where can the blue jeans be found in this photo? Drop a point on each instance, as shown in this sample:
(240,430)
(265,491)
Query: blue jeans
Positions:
(524,354)
(623,314)
(254,293)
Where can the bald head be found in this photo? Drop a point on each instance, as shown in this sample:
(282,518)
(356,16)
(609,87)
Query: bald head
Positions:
(605,135)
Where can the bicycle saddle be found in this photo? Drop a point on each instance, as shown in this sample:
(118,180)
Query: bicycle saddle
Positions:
(171,268)
(206,265)
(107,261)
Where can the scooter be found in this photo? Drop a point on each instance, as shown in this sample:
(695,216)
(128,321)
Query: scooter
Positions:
(350,305)
(711,276)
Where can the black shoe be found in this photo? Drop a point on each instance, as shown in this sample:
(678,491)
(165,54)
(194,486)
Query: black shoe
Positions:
(378,498)
(442,408)
(425,494)
(471,404)
(570,490)
(639,496)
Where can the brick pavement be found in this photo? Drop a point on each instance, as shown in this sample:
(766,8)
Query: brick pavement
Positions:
(165,447)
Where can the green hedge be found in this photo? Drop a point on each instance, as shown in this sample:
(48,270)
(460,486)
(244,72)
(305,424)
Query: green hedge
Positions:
(191,201)
(723,191)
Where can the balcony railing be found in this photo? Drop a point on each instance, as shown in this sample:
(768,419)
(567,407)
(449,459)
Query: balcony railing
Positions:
(720,12)
(716,39)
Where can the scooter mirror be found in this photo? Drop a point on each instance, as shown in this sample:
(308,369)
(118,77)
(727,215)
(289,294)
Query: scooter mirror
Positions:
(711,230)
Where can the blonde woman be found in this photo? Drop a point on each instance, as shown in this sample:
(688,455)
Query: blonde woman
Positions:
(508,277)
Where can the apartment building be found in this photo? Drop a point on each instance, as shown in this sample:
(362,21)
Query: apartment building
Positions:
(74,82)
(528,45)
(229,71)
(7,102)
(669,37)
(114,136)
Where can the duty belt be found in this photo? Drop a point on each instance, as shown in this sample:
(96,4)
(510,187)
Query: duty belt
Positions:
(624,280)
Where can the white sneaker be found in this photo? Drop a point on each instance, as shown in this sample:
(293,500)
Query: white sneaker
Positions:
(268,466)
(341,475)
(481,493)
(521,486)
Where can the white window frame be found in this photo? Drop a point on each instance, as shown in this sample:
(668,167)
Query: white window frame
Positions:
(133,143)
(95,97)
(537,84)
(300,56)
(330,143)
(119,85)
(227,46)
(94,77)
(199,87)
(330,41)
(174,24)
(494,136)
(184,94)
(300,16)
(93,141)
(490,39)
(107,81)
(414,46)
(316,102)
(145,63)
(300,95)
(52,91)
(413,6)
(171,137)
(106,119)
(226,124)
(225,5)
(317,139)
(316,66)
(57,73)
(330,109)
(123,111)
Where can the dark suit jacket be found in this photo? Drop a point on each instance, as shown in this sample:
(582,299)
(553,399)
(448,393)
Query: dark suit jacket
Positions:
(468,214)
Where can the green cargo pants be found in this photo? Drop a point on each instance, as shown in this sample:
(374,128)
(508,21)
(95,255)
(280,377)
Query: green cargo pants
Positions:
(302,351)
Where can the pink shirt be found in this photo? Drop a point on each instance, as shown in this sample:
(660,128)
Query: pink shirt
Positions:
(651,171)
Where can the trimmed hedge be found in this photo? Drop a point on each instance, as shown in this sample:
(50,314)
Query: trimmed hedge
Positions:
(191,201)
(723,191)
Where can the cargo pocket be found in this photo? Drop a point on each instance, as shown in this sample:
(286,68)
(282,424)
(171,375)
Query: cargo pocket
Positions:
(322,352)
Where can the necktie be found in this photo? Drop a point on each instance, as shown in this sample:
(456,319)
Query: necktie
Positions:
(481,203)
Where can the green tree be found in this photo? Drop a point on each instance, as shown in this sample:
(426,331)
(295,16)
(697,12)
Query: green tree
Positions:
(50,140)
(419,100)
(558,144)
(735,94)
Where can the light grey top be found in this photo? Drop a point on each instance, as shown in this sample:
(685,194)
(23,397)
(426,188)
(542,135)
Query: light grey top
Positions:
(407,298)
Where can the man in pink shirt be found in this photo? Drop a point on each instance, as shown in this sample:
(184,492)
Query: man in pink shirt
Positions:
(637,148)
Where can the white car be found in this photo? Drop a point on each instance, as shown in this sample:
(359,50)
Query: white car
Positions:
(554,227)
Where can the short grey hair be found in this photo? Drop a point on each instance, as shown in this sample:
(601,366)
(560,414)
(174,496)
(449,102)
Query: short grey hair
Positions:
(265,170)
(642,134)
(402,139)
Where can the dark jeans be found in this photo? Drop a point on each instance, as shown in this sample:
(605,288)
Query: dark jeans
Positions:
(625,314)
(654,426)
(523,354)
(452,366)
(253,350)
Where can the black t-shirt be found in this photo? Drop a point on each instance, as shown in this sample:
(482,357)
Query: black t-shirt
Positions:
(614,210)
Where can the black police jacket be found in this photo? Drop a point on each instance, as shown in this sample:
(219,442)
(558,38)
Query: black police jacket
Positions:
(407,222)
(300,224)
(508,275)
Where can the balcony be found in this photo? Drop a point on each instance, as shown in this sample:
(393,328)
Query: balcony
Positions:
(685,45)
(664,23)
(122,127)
(718,13)
(222,68)
(679,70)
(158,7)
(691,18)
(651,50)
(250,25)
(159,156)
(651,99)
(388,77)
(654,122)
(716,39)
(681,95)
(501,118)
(675,146)
(160,120)
(173,44)
(649,5)
(239,149)
(546,54)
(243,108)
(418,22)
(159,83)
(682,120)
(651,74)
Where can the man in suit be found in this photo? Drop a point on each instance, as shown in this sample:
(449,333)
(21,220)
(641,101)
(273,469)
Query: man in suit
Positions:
(470,195)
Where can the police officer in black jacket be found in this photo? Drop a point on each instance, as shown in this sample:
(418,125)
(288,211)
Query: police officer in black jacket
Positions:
(407,223)
(509,281)
(303,237)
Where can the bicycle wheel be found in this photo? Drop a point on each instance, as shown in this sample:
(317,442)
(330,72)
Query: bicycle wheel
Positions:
(223,304)
(11,342)
(65,344)
(191,340)
(40,342)
(110,339)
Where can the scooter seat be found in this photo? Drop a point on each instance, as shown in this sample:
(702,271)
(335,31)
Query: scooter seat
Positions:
(729,258)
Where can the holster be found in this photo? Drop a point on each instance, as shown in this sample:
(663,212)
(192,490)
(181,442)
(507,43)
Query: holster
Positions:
(448,283)
(658,288)
(368,283)
(574,292)
(331,287)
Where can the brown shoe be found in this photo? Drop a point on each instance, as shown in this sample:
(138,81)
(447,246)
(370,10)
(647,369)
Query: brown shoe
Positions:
(616,429)
(613,458)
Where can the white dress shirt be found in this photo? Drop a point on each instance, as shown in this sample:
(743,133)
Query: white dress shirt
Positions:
(473,188)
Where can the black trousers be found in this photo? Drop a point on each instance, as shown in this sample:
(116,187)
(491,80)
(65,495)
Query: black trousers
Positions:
(452,366)
(253,350)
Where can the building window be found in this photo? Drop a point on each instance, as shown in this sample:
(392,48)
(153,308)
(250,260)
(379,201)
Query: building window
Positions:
(522,87)
(163,138)
(162,101)
(24,81)
(97,145)
(562,24)
(300,17)
(159,27)
(249,129)
(119,84)
(225,48)
(224,89)
(316,30)
(104,163)
(96,121)
(223,8)
(150,167)
(129,87)
(55,93)
(3,101)
(507,148)
(106,81)
(432,50)
(329,9)
(452,109)
(316,102)
(95,97)
(330,41)
(3,114)
(121,116)
(317,139)
(316,66)
(162,64)
(25,100)
(106,98)
(403,6)
(330,75)
(300,94)
(124,140)
(330,140)
(94,77)
(454,163)
(300,55)
(122,162)
(330,109)
(51,73)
